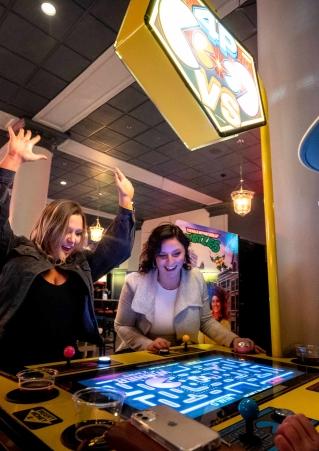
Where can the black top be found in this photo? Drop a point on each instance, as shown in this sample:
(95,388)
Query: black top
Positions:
(50,318)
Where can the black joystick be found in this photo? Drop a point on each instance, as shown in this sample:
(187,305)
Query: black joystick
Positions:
(248,409)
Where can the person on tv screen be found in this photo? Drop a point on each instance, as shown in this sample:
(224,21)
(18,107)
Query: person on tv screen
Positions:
(46,282)
(296,433)
(167,299)
(219,307)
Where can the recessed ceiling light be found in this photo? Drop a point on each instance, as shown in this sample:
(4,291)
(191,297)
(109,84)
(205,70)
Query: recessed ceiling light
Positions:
(48,8)
(63,182)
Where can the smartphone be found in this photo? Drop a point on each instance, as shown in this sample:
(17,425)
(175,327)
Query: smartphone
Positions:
(174,430)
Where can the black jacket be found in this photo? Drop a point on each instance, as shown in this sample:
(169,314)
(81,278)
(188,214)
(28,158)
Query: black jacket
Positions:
(21,262)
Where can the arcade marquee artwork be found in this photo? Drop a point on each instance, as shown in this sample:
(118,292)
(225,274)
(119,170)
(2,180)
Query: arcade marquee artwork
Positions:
(192,68)
(216,67)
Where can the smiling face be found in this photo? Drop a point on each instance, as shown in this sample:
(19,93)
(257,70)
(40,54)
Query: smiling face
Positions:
(216,306)
(72,239)
(170,260)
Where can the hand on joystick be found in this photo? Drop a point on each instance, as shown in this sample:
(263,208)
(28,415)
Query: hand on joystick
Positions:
(68,353)
(248,408)
(185,339)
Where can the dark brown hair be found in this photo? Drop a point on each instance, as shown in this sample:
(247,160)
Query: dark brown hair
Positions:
(153,245)
(222,295)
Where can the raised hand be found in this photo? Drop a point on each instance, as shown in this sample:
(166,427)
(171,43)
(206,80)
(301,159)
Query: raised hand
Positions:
(21,145)
(125,189)
(20,149)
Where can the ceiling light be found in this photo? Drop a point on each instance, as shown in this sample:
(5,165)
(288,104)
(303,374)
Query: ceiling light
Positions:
(242,199)
(96,231)
(63,182)
(48,8)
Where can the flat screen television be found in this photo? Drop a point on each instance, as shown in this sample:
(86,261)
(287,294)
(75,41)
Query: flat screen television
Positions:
(207,388)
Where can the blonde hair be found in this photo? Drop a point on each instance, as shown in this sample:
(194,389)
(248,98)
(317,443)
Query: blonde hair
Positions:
(53,223)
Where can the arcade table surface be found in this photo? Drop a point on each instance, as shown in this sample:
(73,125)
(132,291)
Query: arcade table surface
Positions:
(40,423)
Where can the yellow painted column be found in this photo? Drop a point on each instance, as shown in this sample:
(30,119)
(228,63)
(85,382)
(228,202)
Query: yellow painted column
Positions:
(270,234)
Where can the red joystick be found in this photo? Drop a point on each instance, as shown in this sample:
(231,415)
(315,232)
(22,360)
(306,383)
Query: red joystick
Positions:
(68,353)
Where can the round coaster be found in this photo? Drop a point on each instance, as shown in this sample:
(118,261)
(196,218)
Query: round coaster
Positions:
(30,397)
(70,441)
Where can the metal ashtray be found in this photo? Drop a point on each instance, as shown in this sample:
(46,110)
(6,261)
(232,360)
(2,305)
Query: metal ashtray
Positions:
(308,353)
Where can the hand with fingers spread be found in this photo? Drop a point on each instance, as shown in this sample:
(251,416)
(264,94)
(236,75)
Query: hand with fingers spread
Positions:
(20,149)
(125,189)
(296,433)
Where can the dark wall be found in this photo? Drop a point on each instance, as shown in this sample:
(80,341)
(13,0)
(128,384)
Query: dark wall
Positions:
(254,319)
(252,226)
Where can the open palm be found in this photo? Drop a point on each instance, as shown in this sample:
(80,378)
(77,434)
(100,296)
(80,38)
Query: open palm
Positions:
(21,145)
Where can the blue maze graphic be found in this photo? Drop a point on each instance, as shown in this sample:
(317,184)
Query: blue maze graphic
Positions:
(194,387)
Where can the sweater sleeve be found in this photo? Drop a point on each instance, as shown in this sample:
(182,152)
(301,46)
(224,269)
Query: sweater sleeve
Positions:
(6,234)
(115,246)
(125,321)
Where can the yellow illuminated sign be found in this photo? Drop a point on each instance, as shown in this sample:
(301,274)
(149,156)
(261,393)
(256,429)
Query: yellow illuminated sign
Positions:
(187,59)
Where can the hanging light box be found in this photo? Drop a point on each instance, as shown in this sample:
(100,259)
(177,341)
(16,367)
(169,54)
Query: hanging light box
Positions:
(202,80)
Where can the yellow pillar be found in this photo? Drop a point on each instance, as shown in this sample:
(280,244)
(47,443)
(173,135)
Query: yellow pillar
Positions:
(270,234)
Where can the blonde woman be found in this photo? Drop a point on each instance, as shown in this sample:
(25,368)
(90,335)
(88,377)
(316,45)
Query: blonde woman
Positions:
(46,282)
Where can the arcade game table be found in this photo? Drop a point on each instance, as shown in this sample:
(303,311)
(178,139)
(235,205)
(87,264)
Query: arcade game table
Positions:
(206,383)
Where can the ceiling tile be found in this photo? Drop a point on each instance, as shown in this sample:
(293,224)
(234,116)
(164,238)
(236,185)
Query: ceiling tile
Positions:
(113,14)
(86,127)
(109,137)
(65,63)
(64,163)
(152,138)
(116,153)
(90,37)
(76,136)
(16,68)
(127,100)
(7,90)
(67,15)
(95,144)
(46,84)
(166,130)
(11,109)
(29,101)
(140,162)
(188,174)
(132,148)
(21,37)
(87,170)
(168,167)
(128,126)
(104,178)
(147,112)
(105,114)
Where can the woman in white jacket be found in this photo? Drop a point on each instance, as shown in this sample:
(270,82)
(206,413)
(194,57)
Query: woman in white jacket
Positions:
(167,299)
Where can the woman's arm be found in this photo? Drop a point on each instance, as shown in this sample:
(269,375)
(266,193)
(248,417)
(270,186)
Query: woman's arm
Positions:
(116,245)
(19,150)
(125,321)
